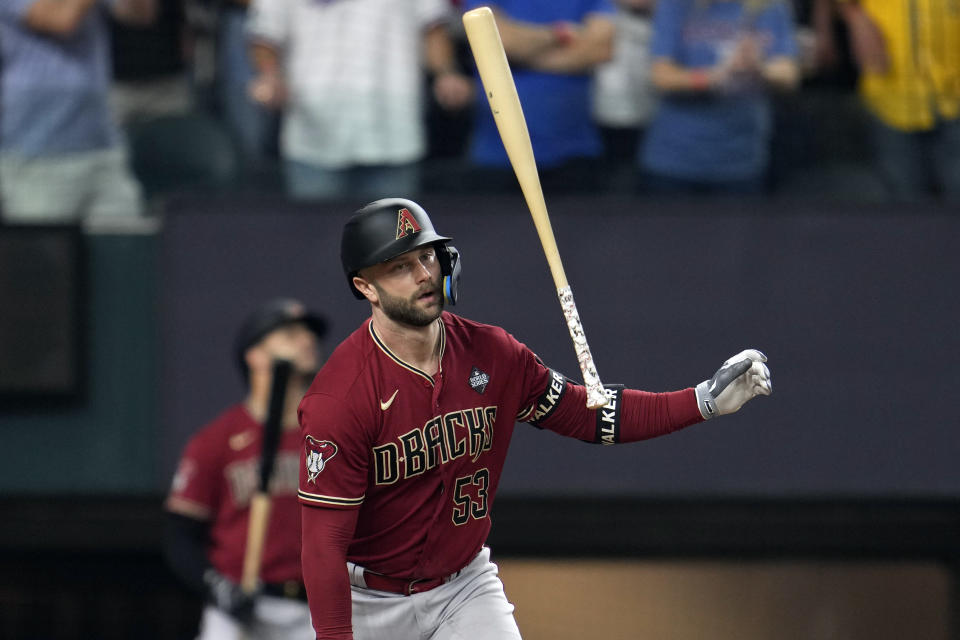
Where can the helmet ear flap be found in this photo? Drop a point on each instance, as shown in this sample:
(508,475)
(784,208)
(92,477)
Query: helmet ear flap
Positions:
(449,259)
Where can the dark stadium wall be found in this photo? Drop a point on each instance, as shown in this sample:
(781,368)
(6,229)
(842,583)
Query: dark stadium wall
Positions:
(852,305)
(104,440)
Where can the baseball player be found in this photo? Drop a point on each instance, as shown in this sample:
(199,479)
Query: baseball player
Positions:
(405,432)
(209,503)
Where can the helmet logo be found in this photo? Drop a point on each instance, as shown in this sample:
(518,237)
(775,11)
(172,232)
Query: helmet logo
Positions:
(406,223)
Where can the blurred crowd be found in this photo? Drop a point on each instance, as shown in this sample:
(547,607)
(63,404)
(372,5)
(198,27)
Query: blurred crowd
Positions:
(107,107)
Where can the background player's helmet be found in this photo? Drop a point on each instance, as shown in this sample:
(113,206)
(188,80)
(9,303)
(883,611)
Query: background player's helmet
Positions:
(273,315)
(386,228)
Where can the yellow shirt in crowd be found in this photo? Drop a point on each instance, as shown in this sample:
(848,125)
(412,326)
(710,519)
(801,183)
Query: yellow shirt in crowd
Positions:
(923,82)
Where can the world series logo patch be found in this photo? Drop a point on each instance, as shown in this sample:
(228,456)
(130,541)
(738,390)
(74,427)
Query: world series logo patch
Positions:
(479,380)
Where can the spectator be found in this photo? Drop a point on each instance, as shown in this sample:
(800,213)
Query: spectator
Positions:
(624,98)
(908,55)
(150,71)
(253,127)
(553,48)
(448,130)
(61,156)
(819,142)
(348,77)
(715,63)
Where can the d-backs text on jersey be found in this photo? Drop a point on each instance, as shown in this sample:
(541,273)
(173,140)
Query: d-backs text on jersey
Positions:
(468,432)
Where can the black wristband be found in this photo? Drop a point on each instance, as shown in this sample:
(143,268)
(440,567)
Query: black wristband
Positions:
(608,416)
(550,398)
(184,547)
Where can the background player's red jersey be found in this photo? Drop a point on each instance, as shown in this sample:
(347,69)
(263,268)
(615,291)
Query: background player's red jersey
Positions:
(215,480)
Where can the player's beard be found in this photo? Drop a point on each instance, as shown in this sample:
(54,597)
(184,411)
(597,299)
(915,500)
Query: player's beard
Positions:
(405,310)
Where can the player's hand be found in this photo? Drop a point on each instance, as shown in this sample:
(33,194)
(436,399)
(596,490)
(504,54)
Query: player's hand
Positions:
(739,68)
(742,377)
(747,55)
(453,90)
(227,595)
(565,33)
(268,90)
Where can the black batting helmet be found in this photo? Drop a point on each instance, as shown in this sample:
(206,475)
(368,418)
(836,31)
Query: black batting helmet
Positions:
(386,228)
(272,315)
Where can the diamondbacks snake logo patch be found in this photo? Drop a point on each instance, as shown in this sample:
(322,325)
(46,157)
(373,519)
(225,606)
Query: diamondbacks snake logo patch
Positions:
(319,453)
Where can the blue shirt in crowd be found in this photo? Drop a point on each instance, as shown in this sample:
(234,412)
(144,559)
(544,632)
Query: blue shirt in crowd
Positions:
(719,136)
(556,106)
(54,90)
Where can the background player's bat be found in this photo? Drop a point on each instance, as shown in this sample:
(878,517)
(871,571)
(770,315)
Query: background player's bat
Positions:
(260,503)
(484,38)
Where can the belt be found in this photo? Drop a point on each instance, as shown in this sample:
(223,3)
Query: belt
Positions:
(403,586)
(289,589)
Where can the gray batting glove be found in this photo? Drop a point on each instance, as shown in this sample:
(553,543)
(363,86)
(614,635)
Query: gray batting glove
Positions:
(742,377)
(227,595)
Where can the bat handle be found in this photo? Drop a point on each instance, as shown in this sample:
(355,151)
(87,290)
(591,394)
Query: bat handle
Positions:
(256,536)
(596,398)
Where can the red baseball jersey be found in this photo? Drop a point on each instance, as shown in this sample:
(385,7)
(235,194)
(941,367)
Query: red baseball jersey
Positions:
(215,480)
(420,456)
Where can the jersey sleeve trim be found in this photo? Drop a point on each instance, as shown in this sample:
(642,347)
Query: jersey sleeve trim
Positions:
(329,501)
(524,416)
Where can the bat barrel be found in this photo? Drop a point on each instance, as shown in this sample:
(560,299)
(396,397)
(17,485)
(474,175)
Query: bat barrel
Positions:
(501,91)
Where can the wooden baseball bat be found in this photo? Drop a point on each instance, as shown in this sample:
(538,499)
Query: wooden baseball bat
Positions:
(260,502)
(487,48)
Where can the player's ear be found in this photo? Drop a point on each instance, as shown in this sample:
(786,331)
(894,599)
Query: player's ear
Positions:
(365,287)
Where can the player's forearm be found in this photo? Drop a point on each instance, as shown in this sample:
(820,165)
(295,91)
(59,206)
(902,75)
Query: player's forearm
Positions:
(135,12)
(782,74)
(326,536)
(268,88)
(646,415)
(592,46)
(265,57)
(57,17)
(438,51)
(522,41)
(330,605)
(866,39)
(629,416)
(822,17)
(670,77)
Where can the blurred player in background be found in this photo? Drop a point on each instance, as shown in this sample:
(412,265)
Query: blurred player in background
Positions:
(208,505)
(406,431)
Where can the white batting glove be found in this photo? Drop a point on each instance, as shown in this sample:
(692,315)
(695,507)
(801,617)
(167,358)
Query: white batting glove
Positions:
(742,377)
